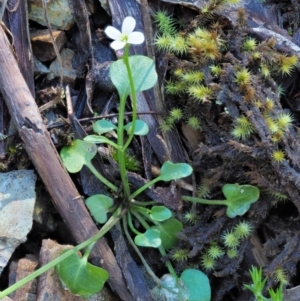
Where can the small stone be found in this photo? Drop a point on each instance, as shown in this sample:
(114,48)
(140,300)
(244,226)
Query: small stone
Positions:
(58,11)
(42,45)
(39,68)
(19,270)
(69,73)
(17,199)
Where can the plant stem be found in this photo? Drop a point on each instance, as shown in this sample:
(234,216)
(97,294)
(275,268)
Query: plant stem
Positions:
(129,222)
(168,262)
(101,178)
(204,201)
(144,187)
(141,220)
(148,268)
(88,251)
(109,224)
(133,96)
(143,210)
(143,204)
(122,150)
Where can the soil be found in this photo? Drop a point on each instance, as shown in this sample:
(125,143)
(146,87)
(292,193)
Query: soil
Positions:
(217,155)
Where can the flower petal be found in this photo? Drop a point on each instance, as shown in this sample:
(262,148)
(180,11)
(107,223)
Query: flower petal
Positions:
(117,45)
(113,33)
(136,37)
(128,25)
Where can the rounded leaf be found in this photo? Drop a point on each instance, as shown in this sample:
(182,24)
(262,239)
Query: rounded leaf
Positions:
(103,126)
(174,171)
(197,284)
(160,213)
(141,127)
(168,230)
(98,205)
(239,198)
(148,239)
(143,73)
(76,155)
(80,277)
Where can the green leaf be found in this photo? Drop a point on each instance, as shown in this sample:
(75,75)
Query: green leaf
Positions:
(148,239)
(103,126)
(168,230)
(141,127)
(174,171)
(143,73)
(197,284)
(98,205)
(239,198)
(80,277)
(160,213)
(76,155)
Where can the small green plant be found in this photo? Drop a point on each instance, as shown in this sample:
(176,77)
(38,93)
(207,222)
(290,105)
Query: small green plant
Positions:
(258,284)
(155,226)
(158,227)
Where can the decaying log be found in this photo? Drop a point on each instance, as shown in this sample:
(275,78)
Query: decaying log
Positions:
(41,150)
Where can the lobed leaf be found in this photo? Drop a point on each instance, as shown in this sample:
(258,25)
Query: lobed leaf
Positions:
(76,155)
(143,73)
(98,205)
(81,277)
(197,284)
(168,230)
(148,239)
(103,126)
(160,213)
(141,127)
(174,171)
(239,198)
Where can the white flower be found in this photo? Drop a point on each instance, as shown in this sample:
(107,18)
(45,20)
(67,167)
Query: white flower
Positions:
(127,36)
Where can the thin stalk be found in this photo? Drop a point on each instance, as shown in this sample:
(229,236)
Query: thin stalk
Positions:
(121,152)
(141,220)
(138,203)
(101,178)
(144,187)
(140,209)
(133,97)
(204,201)
(109,224)
(88,251)
(130,224)
(145,213)
(168,263)
(148,268)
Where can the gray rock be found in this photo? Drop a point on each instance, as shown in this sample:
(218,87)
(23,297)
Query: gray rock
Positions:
(17,199)
(58,11)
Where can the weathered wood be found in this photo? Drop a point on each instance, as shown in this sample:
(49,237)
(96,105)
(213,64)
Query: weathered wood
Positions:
(2,128)
(18,25)
(38,144)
